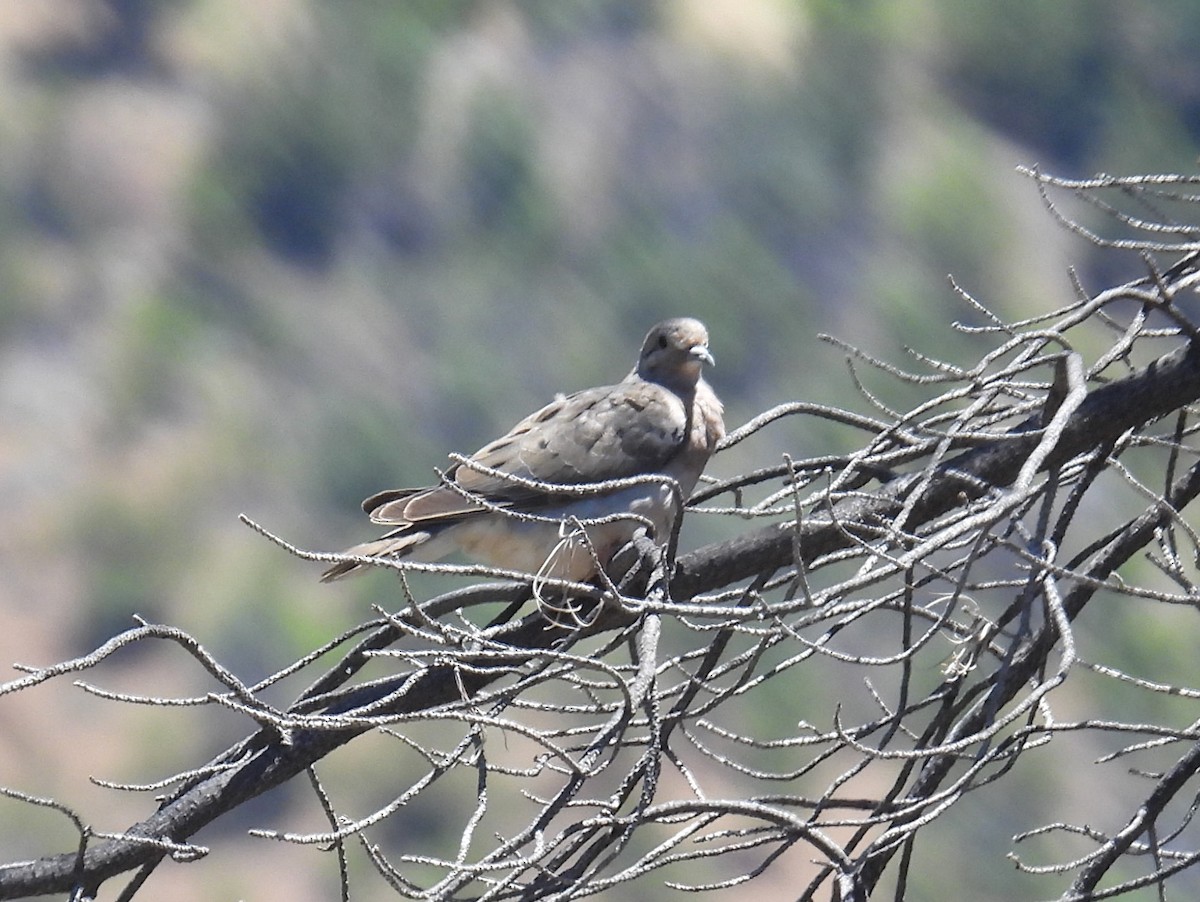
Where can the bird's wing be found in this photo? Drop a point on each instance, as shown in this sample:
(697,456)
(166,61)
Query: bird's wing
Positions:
(611,432)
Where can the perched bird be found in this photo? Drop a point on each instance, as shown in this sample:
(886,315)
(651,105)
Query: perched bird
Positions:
(662,419)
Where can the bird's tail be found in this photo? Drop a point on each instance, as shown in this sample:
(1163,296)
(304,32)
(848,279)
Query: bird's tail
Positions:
(393,546)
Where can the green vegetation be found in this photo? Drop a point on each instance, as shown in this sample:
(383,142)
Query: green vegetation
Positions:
(326,243)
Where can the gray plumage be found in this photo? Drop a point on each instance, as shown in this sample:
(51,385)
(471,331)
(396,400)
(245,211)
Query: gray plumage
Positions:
(663,419)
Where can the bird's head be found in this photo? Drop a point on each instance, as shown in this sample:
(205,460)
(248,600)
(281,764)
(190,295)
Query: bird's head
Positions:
(674,352)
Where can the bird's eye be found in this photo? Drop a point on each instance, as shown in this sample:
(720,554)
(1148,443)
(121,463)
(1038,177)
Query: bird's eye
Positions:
(662,341)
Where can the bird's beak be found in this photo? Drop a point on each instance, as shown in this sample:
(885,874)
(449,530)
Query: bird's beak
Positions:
(703,354)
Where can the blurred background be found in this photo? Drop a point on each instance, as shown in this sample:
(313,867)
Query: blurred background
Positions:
(271,257)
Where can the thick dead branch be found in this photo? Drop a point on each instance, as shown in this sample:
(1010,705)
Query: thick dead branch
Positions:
(1164,387)
(929,590)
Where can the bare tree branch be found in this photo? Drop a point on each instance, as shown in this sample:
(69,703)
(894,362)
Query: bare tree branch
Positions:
(933,584)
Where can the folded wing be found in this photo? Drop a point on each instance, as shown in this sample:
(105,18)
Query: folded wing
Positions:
(611,432)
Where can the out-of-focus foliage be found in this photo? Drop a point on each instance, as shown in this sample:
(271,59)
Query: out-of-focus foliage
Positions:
(273,256)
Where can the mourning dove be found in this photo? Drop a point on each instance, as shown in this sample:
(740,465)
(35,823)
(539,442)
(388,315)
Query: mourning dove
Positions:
(663,419)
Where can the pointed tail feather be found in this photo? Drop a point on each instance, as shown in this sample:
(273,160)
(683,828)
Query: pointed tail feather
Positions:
(394,546)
